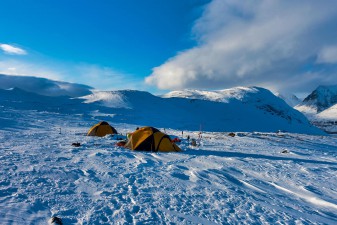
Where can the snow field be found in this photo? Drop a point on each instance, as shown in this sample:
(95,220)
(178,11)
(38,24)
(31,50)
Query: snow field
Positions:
(225,180)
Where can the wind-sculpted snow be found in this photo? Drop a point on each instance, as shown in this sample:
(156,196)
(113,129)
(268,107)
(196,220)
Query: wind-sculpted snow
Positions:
(244,179)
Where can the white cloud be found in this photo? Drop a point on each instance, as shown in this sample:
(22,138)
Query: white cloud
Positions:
(23,68)
(255,42)
(11,50)
(328,55)
(105,78)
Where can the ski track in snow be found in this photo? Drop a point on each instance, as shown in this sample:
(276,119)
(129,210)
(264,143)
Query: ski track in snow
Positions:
(226,180)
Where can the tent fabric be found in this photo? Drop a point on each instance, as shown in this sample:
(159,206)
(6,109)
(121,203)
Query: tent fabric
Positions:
(151,139)
(101,129)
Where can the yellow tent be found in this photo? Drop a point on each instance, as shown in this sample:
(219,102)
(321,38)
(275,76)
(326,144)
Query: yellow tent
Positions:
(101,129)
(151,139)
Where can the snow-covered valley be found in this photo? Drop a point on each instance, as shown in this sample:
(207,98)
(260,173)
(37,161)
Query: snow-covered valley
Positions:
(262,175)
(244,179)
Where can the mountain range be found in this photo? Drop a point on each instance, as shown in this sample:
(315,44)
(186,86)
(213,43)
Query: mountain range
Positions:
(237,109)
(320,107)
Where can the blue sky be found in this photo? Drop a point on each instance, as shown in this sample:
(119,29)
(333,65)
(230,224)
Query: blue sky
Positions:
(126,38)
(160,45)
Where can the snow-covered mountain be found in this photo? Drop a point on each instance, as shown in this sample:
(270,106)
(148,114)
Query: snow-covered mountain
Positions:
(327,119)
(291,99)
(242,109)
(248,178)
(320,99)
(44,86)
(226,95)
(320,107)
(236,109)
(328,114)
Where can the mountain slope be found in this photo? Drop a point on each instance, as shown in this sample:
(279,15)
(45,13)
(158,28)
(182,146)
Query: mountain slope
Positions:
(328,114)
(320,99)
(320,108)
(291,99)
(226,95)
(237,109)
(43,86)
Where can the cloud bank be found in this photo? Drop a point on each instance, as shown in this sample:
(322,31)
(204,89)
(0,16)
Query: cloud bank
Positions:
(11,50)
(279,44)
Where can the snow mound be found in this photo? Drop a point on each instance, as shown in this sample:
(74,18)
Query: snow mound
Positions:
(43,86)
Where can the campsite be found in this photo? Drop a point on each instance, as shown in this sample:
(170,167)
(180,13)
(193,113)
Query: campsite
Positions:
(187,112)
(224,179)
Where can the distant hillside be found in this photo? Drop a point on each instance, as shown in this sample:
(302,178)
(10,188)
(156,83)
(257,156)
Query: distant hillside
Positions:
(291,99)
(320,99)
(320,108)
(236,109)
(226,95)
(44,86)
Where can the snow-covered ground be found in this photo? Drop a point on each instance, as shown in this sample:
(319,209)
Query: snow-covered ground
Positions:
(244,179)
(252,178)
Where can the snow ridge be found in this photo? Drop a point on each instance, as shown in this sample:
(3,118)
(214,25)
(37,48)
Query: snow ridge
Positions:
(225,95)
